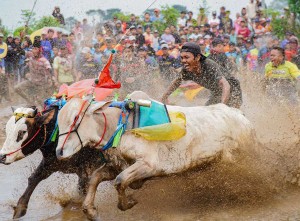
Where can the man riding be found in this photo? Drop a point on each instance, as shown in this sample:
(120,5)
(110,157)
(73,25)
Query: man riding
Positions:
(207,73)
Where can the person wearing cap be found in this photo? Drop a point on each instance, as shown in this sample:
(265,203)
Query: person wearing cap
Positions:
(207,73)
(282,77)
(167,64)
(63,68)
(157,16)
(181,21)
(214,21)
(39,83)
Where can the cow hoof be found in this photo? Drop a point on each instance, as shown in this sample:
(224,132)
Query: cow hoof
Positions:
(91,213)
(128,205)
(19,211)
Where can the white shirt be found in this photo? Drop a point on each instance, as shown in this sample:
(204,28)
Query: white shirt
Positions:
(181,22)
(251,10)
(214,21)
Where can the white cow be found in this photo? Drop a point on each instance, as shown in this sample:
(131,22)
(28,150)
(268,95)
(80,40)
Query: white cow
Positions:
(212,132)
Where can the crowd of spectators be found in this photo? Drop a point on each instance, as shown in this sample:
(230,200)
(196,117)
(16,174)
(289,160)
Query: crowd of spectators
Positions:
(143,55)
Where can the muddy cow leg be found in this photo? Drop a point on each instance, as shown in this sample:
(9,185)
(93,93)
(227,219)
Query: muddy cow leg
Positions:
(83,183)
(138,171)
(42,172)
(103,173)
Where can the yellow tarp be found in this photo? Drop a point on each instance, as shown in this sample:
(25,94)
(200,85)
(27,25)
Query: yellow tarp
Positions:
(163,132)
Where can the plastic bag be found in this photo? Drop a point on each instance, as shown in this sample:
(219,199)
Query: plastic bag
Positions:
(164,132)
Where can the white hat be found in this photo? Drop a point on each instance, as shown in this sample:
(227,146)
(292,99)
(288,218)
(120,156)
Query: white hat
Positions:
(164,46)
(85,50)
(132,38)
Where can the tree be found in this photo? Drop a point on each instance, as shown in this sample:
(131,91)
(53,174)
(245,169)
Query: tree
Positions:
(121,16)
(110,13)
(46,21)
(170,16)
(180,8)
(19,30)
(27,17)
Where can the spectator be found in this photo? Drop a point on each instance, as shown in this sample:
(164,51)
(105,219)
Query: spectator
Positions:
(175,34)
(39,84)
(46,46)
(50,34)
(3,52)
(258,28)
(77,28)
(140,38)
(63,68)
(59,42)
(214,21)
(156,39)
(217,55)
(288,35)
(132,21)
(202,18)
(222,16)
(56,14)
(244,30)
(147,21)
(251,10)
(181,21)
(291,48)
(167,36)
(148,35)
(157,16)
(190,21)
(87,68)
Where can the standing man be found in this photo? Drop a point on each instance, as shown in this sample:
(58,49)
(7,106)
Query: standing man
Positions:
(56,14)
(39,84)
(207,73)
(3,52)
(63,68)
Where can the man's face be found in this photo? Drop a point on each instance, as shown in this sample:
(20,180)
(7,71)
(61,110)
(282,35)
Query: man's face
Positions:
(147,16)
(197,30)
(1,39)
(133,31)
(63,52)
(140,30)
(167,31)
(242,24)
(142,54)
(35,51)
(17,41)
(189,62)
(190,15)
(156,13)
(276,57)
(165,51)
(182,15)
(132,18)
(219,48)
(50,34)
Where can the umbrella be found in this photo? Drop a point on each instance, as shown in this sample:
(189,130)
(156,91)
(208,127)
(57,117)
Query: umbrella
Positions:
(45,29)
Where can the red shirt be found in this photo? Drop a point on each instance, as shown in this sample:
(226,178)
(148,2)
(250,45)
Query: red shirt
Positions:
(244,31)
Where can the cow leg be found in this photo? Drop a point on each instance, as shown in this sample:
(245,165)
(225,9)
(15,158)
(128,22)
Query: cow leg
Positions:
(138,171)
(42,172)
(83,183)
(101,174)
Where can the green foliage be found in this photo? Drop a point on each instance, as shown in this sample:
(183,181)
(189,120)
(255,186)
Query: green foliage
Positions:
(18,30)
(3,29)
(204,5)
(121,16)
(27,17)
(110,13)
(46,21)
(170,18)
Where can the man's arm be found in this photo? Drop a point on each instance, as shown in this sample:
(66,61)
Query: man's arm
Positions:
(224,85)
(174,85)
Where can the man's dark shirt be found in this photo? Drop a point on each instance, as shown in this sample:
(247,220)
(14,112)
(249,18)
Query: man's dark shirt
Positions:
(226,66)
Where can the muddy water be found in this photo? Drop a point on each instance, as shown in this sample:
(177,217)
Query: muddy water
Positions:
(244,191)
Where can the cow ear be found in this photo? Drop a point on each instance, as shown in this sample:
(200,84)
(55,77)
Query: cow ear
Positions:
(45,119)
(99,106)
(13,109)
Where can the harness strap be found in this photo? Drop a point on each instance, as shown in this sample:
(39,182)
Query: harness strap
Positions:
(104,131)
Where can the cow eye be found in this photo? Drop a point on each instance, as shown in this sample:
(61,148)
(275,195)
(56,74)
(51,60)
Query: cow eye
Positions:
(21,135)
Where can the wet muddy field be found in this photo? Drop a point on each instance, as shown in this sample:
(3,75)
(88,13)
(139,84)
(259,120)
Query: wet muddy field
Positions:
(264,188)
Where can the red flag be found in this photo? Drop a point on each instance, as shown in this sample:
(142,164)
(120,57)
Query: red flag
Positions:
(105,80)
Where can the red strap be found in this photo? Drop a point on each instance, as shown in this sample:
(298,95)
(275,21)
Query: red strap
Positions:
(103,131)
(25,143)
(73,124)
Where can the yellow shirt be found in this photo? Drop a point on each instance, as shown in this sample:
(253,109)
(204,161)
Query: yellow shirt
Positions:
(287,70)
(3,50)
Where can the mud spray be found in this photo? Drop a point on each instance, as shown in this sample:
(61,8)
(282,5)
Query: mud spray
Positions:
(261,185)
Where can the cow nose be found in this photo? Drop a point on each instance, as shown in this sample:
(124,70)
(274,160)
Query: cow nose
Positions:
(2,158)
